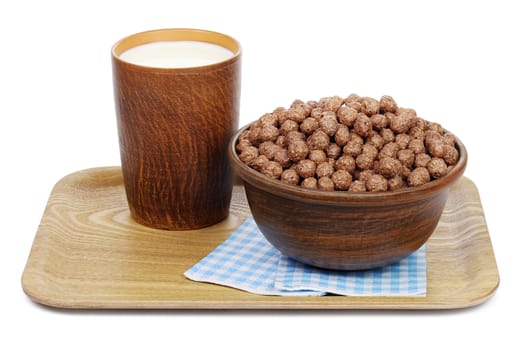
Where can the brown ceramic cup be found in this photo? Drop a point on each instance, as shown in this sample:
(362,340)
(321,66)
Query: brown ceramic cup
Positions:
(174,126)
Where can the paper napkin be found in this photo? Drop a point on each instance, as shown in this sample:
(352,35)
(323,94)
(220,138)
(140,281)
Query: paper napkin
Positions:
(247,261)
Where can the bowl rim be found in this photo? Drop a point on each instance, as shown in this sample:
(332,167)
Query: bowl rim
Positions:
(296,192)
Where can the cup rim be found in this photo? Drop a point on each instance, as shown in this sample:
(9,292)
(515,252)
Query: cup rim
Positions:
(177,34)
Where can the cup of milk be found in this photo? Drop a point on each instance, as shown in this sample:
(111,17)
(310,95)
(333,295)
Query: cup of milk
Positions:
(177,94)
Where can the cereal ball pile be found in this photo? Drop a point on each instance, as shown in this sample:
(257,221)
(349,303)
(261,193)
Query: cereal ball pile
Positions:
(356,144)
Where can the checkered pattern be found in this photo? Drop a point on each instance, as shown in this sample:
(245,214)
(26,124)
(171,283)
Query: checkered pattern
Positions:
(406,277)
(248,262)
(245,261)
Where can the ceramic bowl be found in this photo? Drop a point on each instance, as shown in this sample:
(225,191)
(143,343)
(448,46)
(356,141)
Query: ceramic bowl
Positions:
(342,230)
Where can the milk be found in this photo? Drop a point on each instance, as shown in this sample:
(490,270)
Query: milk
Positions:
(176,54)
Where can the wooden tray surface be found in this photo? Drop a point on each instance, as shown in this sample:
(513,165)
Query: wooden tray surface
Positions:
(88,253)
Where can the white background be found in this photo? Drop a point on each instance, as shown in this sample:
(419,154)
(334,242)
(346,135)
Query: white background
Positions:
(459,63)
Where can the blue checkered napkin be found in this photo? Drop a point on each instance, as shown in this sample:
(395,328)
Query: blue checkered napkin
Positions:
(244,261)
(406,277)
(247,261)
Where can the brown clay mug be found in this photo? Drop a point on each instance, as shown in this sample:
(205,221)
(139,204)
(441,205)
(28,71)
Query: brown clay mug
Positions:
(174,125)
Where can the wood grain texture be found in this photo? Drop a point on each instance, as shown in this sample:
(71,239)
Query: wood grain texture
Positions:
(343,230)
(88,253)
(174,127)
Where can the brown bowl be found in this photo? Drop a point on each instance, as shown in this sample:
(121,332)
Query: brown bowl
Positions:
(342,230)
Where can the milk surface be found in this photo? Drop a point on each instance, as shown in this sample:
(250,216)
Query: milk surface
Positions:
(176,54)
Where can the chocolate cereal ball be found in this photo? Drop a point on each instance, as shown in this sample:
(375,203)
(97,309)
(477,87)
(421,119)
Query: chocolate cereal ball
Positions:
(270,118)
(290,176)
(387,104)
(268,149)
(421,160)
(268,132)
(389,167)
(309,105)
(297,103)
(242,144)
(364,161)
(417,132)
(436,148)
(353,148)
(281,113)
(449,139)
(379,122)
(418,176)
(370,106)
(417,146)
(357,186)
(345,162)
(375,139)
(287,126)
(365,175)
(318,140)
(406,157)
(431,136)
(317,156)
(389,150)
(342,135)
(260,162)
(370,150)
(281,157)
(245,135)
(324,169)
(436,127)
(437,168)
(402,123)
(377,183)
(387,135)
(362,125)
(341,179)
(309,183)
(328,123)
(331,103)
(325,184)
(356,138)
(352,98)
(248,154)
(297,150)
(346,115)
(333,151)
(450,155)
(272,169)
(309,125)
(403,140)
(316,113)
(253,134)
(396,183)
(293,136)
(306,168)
(296,114)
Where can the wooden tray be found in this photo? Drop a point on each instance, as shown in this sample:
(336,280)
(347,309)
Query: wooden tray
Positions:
(88,253)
